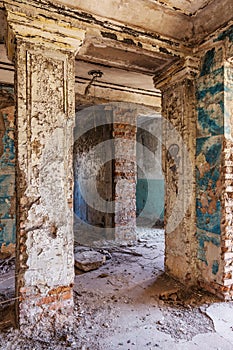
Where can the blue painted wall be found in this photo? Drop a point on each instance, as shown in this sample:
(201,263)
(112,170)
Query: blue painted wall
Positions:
(210,136)
(210,130)
(150,180)
(7,167)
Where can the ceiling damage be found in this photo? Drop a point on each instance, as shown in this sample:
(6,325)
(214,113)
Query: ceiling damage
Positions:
(130,38)
(187,7)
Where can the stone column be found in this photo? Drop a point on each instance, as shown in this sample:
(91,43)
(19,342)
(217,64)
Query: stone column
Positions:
(44,82)
(125,172)
(179,133)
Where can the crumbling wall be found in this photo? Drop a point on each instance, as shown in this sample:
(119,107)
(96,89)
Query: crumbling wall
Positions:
(44,263)
(7,166)
(93,174)
(214,165)
(125,171)
(210,130)
(105,173)
(179,132)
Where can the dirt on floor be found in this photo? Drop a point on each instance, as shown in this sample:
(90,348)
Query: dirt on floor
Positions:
(129,303)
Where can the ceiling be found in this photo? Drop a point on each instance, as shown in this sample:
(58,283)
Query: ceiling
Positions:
(188,7)
(113,77)
(116,76)
(119,55)
(182,20)
(163,17)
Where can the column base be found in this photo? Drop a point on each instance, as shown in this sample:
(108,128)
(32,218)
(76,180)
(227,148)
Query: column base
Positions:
(43,317)
(222,292)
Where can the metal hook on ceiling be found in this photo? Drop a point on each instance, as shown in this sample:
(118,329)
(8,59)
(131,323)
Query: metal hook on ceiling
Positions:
(95,74)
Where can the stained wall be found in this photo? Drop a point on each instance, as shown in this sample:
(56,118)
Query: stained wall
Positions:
(179,137)
(93,175)
(214,165)
(105,173)
(7,166)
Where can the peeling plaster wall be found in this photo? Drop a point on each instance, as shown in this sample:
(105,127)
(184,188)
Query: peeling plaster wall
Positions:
(7,166)
(179,135)
(43,51)
(125,171)
(44,264)
(210,130)
(214,165)
(105,173)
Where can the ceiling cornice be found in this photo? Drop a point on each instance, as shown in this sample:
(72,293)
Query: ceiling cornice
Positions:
(136,17)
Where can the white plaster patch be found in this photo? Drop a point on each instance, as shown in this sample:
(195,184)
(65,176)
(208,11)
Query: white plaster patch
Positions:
(222,316)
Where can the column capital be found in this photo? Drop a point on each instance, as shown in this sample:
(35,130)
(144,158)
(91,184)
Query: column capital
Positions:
(41,29)
(184,69)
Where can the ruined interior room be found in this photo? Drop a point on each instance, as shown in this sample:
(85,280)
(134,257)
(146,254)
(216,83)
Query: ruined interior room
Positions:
(116,182)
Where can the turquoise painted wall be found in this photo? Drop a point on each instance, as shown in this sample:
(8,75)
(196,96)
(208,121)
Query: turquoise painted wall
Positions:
(150,180)
(211,128)
(150,198)
(7,167)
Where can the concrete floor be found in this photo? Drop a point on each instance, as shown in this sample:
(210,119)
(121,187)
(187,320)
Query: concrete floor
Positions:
(129,303)
(132,304)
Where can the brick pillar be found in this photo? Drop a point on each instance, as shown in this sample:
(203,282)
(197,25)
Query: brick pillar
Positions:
(226,263)
(44,82)
(125,168)
(179,133)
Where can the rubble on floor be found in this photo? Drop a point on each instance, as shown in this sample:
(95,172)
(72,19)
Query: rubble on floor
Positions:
(7,263)
(129,303)
(7,258)
(89,260)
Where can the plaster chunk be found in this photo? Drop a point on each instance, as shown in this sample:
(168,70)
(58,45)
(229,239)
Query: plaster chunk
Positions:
(89,260)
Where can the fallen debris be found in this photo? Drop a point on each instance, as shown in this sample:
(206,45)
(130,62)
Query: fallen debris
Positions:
(114,247)
(106,248)
(129,303)
(89,260)
(6,264)
(8,249)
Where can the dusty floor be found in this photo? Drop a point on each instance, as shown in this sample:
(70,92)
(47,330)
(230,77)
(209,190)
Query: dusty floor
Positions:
(129,303)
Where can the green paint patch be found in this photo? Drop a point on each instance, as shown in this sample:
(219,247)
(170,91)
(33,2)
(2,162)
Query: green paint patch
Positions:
(215,267)
(226,34)
(213,154)
(208,123)
(7,173)
(212,90)
(208,62)
(150,198)
(7,231)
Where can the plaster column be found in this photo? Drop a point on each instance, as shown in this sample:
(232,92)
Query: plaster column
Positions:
(44,54)
(179,133)
(125,172)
